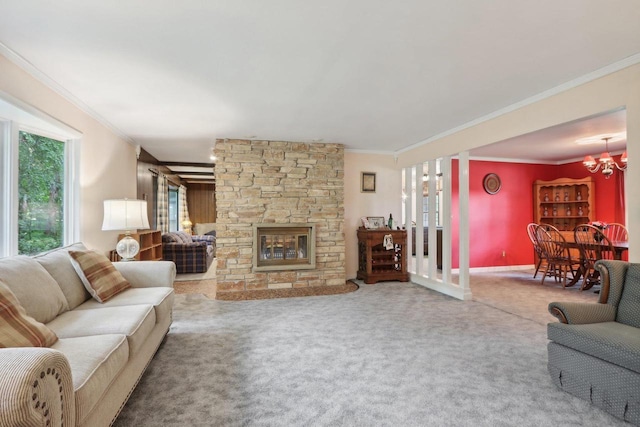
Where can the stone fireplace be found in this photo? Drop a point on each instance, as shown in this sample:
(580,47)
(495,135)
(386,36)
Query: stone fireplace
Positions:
(284,186)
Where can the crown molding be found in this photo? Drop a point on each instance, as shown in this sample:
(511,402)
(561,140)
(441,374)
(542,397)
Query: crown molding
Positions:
(360,151)
(609,69)
(60,90)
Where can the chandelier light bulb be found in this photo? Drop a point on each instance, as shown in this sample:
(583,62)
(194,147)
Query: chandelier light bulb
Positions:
(605,162)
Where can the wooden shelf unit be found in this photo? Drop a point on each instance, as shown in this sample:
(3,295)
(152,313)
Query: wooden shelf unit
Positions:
(375,263)
(150,246)
(564,203)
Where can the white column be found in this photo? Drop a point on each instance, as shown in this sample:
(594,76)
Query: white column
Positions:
(407,211)
(433,246)
(445,167)
(463,206)
(419,223)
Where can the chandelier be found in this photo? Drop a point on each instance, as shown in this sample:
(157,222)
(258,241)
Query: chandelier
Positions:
(605,161)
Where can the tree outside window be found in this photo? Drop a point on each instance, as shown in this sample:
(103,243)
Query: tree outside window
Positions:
(40,191)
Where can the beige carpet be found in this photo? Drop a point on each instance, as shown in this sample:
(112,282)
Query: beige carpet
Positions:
(517,292)
(389,354)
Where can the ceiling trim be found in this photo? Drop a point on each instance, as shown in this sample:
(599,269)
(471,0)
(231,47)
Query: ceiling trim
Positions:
(360,151)
(190,164)
(508,160)
(609,69)
(539,162)
(194,173)
(60,90)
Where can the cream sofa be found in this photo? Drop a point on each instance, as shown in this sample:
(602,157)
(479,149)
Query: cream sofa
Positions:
(103,349)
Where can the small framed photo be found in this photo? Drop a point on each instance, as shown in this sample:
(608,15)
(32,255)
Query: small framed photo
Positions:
(368,182)
(376,222)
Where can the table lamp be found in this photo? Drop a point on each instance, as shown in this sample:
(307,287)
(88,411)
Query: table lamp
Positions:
(186,226)
(125,215)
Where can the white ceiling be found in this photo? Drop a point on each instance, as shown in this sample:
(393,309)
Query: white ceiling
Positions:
(557,144)
(373,75)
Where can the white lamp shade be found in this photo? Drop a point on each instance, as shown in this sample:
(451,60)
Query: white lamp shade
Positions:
(125,214)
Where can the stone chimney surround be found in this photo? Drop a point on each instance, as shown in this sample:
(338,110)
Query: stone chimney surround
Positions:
(280,183)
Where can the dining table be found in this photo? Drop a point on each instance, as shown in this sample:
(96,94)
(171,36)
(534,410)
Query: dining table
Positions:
(619,248)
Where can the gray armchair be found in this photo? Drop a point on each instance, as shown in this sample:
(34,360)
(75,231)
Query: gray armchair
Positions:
(594,352)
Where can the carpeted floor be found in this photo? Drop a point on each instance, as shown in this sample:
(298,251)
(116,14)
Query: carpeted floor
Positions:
(390,354)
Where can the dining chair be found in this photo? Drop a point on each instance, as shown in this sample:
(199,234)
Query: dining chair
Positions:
(542,259)
(559,260)
(616,232)
(594,245)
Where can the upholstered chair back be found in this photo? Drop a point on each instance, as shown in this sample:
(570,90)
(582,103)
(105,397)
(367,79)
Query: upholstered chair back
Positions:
(629,306)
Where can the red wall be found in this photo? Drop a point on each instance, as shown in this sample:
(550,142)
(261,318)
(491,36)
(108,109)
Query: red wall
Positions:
(498,222)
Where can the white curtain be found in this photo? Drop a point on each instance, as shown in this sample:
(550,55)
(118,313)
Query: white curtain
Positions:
(162,204)
(183,211)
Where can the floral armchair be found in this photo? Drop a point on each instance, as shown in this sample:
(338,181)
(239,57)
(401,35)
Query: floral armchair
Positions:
(191,254)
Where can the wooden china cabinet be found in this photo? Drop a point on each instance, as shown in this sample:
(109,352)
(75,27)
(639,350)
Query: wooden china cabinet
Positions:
(564,203)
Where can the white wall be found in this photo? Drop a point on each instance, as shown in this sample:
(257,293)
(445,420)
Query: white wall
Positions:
(386,200)
(107,162)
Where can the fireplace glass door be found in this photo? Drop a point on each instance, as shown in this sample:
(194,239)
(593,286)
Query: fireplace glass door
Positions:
(283,247)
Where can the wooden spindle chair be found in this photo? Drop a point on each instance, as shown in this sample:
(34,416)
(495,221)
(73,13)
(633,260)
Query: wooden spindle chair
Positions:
(594,245)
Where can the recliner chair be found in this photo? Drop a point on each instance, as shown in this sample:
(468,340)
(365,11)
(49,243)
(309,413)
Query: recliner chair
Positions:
(594,352)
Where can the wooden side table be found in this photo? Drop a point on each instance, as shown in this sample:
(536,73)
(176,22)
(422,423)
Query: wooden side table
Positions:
(375,262)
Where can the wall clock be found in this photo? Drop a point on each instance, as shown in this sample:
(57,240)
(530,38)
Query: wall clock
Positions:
(491,183)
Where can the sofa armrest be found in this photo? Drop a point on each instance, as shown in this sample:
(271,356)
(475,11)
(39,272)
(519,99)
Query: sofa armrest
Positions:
(148,274)
(36,388)
(577,313)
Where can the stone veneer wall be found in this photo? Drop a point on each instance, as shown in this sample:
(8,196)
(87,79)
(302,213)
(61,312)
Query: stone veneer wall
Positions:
(278,182)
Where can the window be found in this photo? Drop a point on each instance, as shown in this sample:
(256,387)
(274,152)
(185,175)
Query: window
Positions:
(39,187)
(173,208)
(40,193)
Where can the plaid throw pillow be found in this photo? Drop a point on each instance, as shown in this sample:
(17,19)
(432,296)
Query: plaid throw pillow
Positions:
(98,274)
(17,329)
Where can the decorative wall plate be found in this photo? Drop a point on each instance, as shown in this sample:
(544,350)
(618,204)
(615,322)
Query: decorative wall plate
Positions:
(491,183)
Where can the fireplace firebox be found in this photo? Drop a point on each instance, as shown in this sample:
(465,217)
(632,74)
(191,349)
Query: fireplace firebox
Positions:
(284,247)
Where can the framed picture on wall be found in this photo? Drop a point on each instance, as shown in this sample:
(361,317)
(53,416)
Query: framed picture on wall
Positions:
(368,182)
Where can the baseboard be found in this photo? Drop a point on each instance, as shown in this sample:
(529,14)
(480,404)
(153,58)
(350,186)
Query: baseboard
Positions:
(497,268)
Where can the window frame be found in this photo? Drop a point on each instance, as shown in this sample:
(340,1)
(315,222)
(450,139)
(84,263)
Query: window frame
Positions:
(171,189)
(16,116)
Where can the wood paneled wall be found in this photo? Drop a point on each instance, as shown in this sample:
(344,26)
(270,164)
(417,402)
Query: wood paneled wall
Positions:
(147,183)
(201,200)
(147,190)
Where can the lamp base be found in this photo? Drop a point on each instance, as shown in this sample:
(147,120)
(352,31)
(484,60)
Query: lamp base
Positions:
(128,248)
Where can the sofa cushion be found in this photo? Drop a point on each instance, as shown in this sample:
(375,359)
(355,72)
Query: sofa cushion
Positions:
(610,341)
(34,287)
(17,329)
(95,362)
(176,237)
(98,274)
(204,228)
(629,306)
(160,298)
(59,266)
(134,321)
